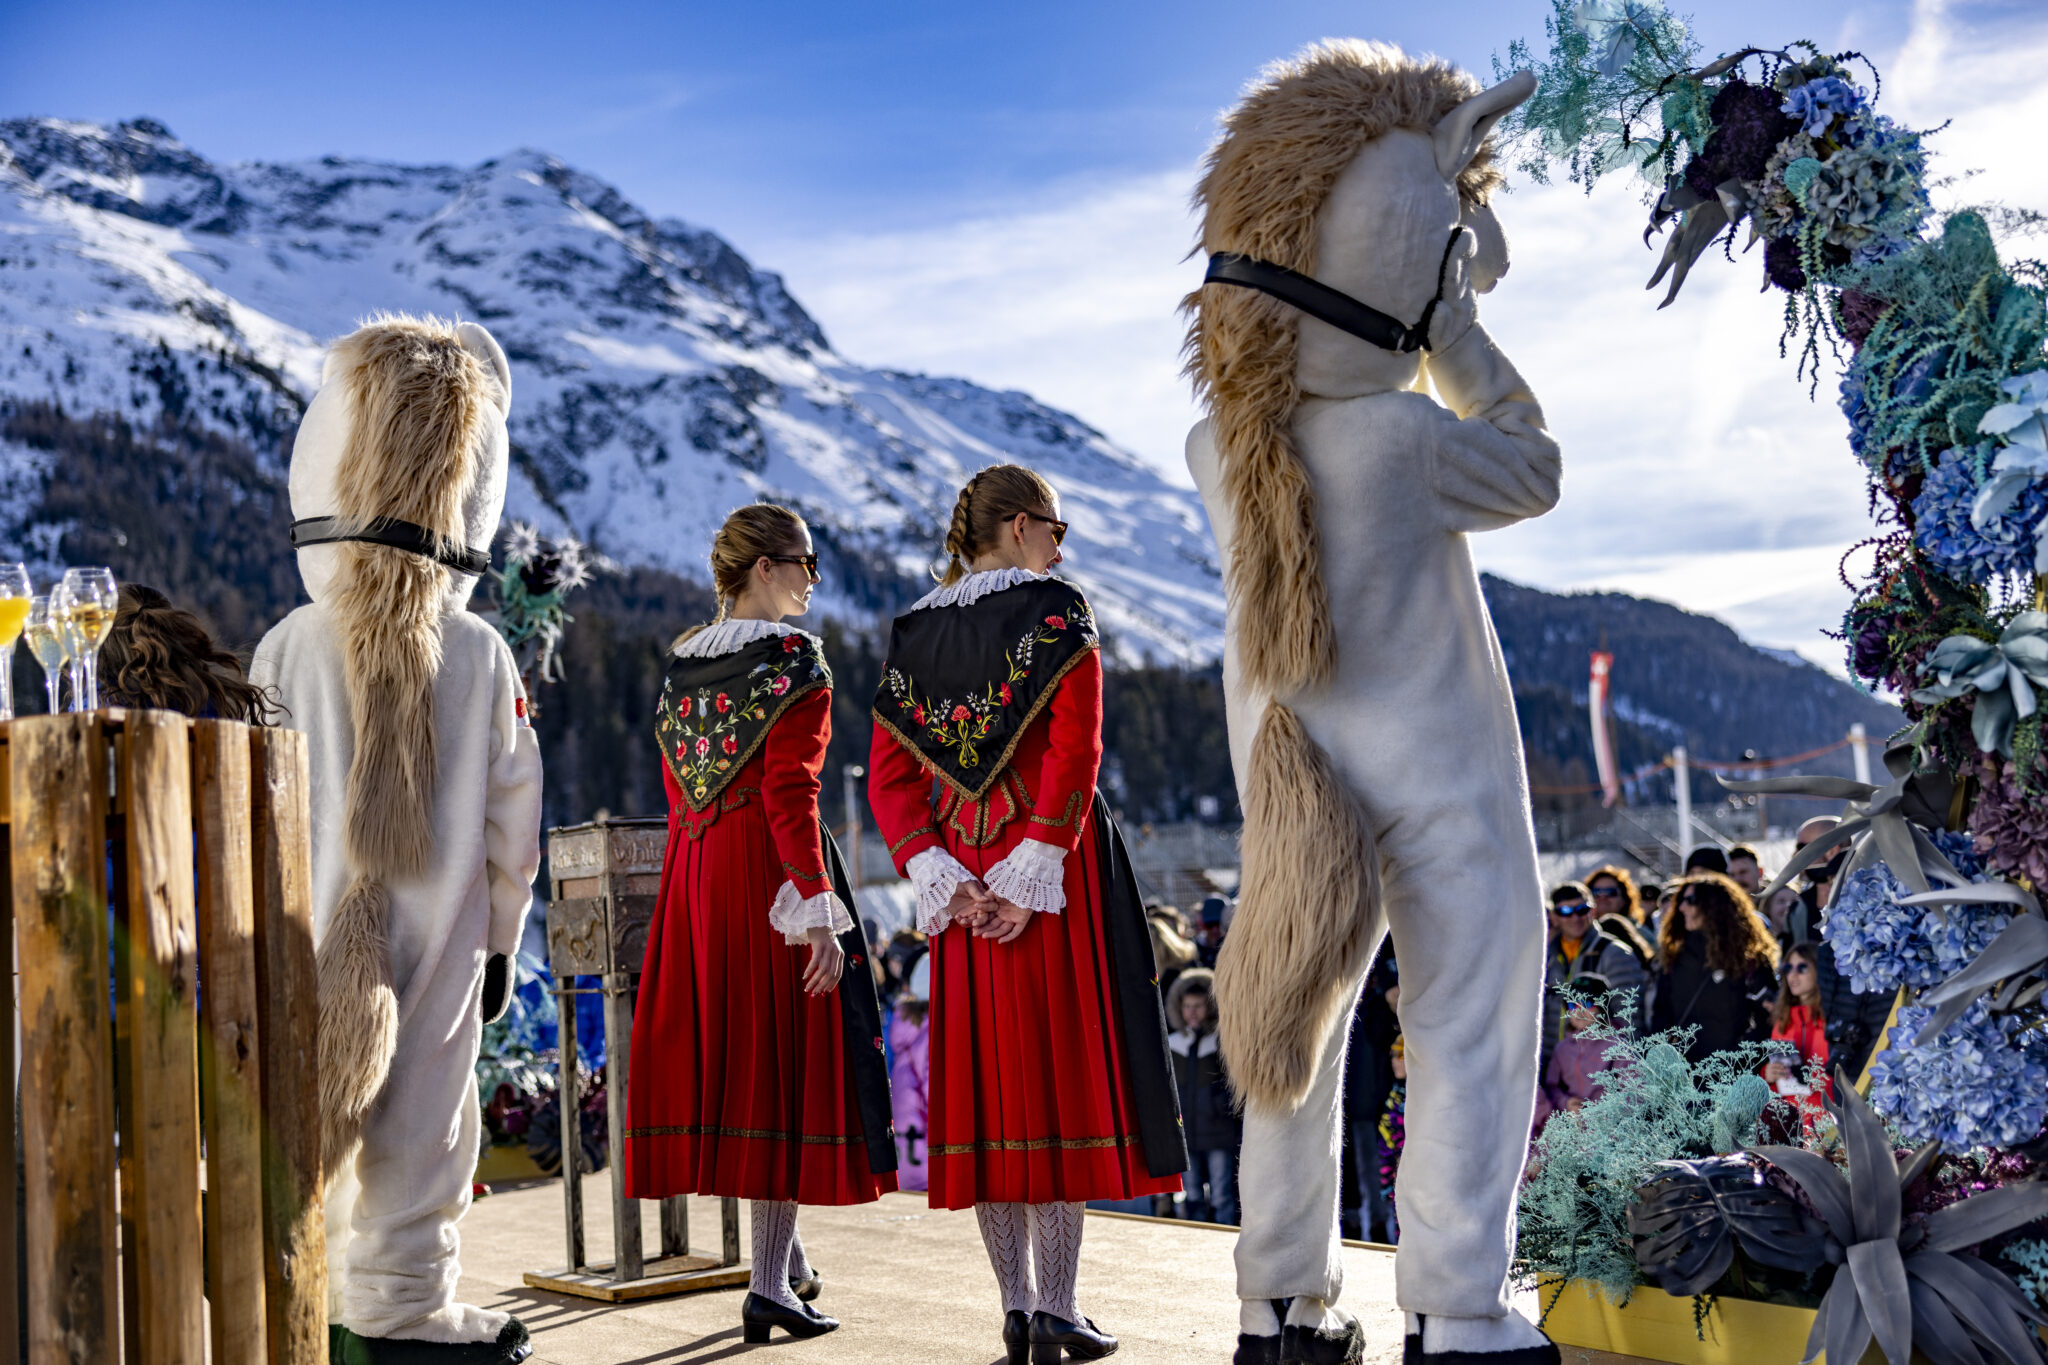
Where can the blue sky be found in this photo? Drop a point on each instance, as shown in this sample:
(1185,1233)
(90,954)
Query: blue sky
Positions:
(760,119)
(1000,192)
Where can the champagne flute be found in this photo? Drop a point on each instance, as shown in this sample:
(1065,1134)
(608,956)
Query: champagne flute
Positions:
(49,640)
(90,599)
(14,597)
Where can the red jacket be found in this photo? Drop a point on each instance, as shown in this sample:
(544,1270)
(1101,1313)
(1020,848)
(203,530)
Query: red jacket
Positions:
(1806,1031)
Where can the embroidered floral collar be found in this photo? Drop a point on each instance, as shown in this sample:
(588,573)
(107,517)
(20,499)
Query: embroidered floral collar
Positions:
(729,635)
(976,586)
(960,688)
(717,709)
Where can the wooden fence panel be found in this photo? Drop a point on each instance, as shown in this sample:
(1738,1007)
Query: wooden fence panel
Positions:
(294,1233)
(230,1086)
(10,1208)
(58,799)
(162,1164)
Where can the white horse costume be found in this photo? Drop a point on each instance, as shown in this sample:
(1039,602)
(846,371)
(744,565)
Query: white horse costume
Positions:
(1372,726)
(426,786)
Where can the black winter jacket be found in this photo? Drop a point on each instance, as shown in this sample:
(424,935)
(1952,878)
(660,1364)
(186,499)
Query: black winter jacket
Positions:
(1212,1124)
(1723,1010)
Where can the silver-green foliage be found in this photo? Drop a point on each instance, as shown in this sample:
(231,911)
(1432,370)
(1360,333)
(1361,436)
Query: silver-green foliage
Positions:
(1655,1106)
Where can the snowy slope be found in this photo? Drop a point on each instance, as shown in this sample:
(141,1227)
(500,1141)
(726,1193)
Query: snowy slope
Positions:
(659,378)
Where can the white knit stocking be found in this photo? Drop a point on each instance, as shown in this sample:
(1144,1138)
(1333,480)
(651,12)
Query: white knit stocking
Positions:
(799,1264)
(1006,1232)
(774,1226)
(1056,1248)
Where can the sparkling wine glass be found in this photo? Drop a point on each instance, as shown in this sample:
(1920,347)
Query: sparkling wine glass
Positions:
(90,598)
(14,598)
(49,640)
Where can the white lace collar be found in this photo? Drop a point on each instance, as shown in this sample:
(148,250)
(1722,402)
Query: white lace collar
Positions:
(727,636)
(976,586)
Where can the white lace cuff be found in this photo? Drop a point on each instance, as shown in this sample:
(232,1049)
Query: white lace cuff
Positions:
(795,915)
(936,874)
(1033,876)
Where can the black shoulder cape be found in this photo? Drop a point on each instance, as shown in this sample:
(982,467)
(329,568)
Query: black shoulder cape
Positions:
(715,713)
(962,684)
(860,1020)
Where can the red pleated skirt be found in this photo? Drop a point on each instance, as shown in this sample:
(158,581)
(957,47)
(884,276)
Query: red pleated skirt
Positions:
(1030,1102)
(739,1084)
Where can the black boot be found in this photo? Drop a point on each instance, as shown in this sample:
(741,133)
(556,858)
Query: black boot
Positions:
(757,1315)
(1258,1350)
(1081,1340)
(344,1347)
(1017,1335)
(1413,1354)
(1317,1346)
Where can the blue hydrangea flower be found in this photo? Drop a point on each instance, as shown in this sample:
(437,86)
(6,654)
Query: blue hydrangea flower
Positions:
(1981,1084)
(1881,945)
(1960,848)
(1950,539)
(1816,103)
(1855,406)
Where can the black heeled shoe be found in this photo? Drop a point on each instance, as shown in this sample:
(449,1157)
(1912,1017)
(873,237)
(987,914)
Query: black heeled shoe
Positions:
(757,1315)
(808,1288)
(1081,1340)
(1017,1335)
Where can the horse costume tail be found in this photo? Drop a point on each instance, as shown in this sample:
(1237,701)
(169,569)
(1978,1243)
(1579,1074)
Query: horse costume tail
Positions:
(1303,928)
(421,403)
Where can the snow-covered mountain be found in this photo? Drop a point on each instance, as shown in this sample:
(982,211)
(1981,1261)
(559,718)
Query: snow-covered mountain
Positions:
(659,378)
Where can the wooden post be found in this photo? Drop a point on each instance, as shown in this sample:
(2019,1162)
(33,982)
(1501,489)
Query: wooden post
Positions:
(230,1089)
(294,1232)
(729,1231)
(675,1226)
(59,802)
(568,1105)
(618,1036)
(10,1209)
(162,1056)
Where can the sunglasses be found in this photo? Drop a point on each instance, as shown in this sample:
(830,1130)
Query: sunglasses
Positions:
(1606,892)
(1688,899)
(810,562)
(1571,911)
(1059,528)
(1798,967)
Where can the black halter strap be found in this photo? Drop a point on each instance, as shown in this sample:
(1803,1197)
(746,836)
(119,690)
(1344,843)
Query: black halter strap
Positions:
(399,535)
(1333,306)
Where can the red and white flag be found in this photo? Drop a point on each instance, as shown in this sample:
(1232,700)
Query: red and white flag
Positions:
(1603,738)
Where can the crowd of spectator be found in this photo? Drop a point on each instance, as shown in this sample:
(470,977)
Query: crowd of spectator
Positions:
(1698,953)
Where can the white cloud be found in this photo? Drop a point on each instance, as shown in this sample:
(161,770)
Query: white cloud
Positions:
(1697,469)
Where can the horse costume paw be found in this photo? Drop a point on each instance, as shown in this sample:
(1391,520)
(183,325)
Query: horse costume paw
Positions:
(512,1345)
(1510,1340)
(1259,1333)
(1317,1334)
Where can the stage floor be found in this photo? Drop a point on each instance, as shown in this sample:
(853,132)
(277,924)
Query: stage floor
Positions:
(908,1284)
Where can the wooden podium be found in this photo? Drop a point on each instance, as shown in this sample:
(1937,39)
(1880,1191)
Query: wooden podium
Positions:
(606,877)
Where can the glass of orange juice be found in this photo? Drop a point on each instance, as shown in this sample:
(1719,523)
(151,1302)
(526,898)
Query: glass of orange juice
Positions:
(14,596)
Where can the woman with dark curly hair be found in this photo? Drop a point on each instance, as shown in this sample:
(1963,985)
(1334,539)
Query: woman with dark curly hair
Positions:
(158,656)
(1717,967)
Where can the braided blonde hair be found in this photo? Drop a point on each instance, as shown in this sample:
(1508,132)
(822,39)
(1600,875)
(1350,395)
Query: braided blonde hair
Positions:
(991,498)
(749,533)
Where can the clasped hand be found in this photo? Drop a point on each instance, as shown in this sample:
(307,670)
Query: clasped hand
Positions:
(988,915)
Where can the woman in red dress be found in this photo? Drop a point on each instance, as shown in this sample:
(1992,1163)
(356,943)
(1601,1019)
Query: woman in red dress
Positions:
(1049,1083)
(756,1069)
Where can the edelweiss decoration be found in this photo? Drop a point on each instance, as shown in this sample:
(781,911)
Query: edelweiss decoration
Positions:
(959,698)
(714,713)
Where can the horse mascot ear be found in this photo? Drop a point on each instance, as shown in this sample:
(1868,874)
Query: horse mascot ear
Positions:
(1407,139)
(397,483)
